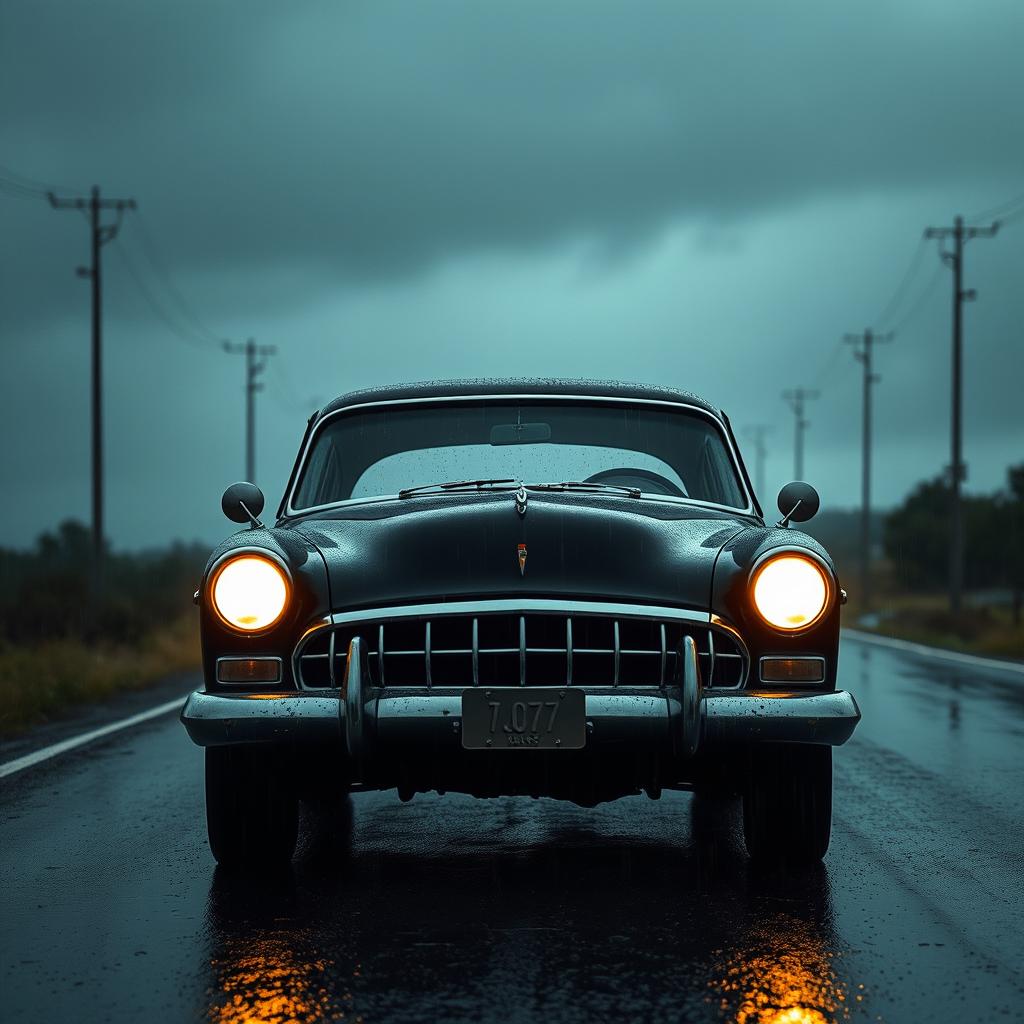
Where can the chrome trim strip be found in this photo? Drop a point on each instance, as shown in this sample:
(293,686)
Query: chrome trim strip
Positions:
(290,510)
(512,605)
(250,682)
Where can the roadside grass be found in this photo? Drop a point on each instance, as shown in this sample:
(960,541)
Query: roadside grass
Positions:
(39,680)
(984,629)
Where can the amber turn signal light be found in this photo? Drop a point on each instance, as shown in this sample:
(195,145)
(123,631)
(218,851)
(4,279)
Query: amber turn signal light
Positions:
(792,670)
(249,670)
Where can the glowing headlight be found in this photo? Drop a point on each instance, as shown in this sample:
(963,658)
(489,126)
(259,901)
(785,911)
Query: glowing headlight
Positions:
(250,592)
(790,591)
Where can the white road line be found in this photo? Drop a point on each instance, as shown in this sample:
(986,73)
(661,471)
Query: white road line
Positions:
(37,757)
(1015,667)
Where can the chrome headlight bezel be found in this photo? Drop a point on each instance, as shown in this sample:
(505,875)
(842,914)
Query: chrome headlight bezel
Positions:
(234,555)
(827,576)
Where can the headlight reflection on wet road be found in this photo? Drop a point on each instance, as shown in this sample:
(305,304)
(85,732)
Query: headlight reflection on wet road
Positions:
(782,975)
(267,981)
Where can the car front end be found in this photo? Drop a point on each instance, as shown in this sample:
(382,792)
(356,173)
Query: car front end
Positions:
(580,642)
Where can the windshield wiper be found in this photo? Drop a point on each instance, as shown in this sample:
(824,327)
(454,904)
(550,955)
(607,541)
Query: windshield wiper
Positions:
(585,485)
(455,485)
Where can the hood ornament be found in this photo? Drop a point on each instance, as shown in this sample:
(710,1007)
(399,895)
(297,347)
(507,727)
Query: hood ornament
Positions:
(522,559)
(521,498)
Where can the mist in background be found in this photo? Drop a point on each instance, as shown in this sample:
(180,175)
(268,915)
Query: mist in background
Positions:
(682,194)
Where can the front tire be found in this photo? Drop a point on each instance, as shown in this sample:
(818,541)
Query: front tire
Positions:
(251,810)
(787,803)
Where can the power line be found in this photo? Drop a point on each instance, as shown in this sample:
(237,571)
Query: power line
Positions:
(756,432)
(101,235)
(995,211)
(175,327)
(253,369)
(893,304)
(41,188)
(796,399)
(916,308)
(863,354)
(957,469)
(160,270)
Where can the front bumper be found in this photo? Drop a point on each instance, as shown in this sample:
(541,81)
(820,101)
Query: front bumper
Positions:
(615,720)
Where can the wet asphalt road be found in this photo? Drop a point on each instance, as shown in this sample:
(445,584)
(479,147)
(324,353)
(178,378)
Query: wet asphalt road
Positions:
(454,909)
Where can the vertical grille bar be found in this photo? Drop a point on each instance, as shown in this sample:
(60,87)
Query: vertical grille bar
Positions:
(522,650)
(615,677)
(664,653)
(711,658)
(426,654)
(380,654)
(330,659)
(568,651)
(476,651)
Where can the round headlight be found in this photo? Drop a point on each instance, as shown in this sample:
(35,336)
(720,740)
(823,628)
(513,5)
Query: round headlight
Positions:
(250,592)
(790,591)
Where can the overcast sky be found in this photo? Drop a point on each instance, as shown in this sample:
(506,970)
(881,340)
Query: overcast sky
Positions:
(690,193)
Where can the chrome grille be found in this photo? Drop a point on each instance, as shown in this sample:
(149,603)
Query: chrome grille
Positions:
(520,649)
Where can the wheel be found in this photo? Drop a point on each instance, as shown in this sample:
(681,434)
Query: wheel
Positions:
(251,812)
(787,803)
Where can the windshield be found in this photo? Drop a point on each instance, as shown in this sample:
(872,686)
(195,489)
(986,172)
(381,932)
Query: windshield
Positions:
(657,450)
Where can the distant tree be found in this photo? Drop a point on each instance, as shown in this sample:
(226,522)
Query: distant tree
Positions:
(916,538)
(1013,513)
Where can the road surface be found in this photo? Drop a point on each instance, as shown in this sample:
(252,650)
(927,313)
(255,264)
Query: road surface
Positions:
(454,909)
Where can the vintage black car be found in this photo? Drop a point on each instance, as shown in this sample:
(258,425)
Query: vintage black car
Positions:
(519,587)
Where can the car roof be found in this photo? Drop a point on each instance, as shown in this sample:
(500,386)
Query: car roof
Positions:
(496,387)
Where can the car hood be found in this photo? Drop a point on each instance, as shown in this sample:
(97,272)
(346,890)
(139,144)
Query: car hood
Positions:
(576,546)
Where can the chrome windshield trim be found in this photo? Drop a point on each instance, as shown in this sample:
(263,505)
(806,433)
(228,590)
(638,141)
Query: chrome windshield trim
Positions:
(290,510)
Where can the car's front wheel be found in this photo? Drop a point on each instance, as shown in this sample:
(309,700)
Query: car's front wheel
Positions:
(787,803)
(251,809)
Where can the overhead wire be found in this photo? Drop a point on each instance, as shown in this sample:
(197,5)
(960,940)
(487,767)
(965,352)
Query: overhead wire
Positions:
(997,210)
(33,185)
(159,267)
(909,275)
(919,304)
(176,328)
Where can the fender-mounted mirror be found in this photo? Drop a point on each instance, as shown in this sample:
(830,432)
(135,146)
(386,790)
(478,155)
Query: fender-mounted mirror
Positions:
(242,502)
(798,502)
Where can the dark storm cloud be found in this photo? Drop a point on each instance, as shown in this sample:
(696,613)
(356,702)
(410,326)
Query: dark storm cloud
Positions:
(400,190)
(366,140)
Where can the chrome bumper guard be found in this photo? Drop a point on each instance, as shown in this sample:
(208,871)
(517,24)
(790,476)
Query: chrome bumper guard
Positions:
(682,718)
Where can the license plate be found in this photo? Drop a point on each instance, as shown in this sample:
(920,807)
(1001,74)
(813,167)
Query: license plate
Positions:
(517,718)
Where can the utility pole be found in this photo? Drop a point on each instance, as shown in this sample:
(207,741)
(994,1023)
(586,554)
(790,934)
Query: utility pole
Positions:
(757,434)
(796,399)
(252,370)
(101,234)
(862,354)
(957,468)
